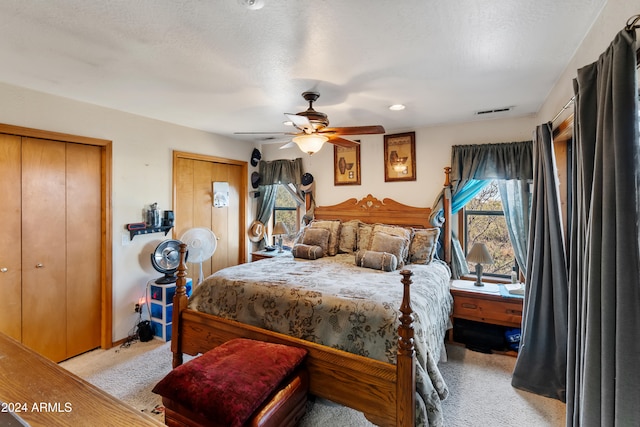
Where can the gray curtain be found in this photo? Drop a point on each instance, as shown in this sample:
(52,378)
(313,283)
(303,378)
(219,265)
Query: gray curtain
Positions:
(281,171)
(513,160)
(604,262)
(516,205)
(272,173)
(542,358)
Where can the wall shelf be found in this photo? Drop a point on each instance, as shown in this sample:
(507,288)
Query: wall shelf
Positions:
(162,229)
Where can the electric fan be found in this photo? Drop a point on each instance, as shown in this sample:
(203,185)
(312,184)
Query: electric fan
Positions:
(201,244)
(165,259)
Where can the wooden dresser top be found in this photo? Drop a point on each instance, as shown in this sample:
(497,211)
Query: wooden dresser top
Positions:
(47,395)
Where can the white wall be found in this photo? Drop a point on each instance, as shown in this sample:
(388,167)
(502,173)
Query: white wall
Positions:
(611,20)
(142,174)
(433,153)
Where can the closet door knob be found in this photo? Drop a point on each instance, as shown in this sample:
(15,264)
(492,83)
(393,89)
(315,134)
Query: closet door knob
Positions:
(39,265)
(4,270)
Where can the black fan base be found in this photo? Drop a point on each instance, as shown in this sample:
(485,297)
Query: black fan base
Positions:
(167,278)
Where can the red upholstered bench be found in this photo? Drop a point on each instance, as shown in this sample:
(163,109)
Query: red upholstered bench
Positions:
(240,383)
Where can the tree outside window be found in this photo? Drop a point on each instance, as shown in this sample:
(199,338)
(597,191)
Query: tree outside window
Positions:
(286,209)
(484,222)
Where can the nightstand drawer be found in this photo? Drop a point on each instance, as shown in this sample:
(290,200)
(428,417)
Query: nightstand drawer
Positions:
(504,312)
(256,256)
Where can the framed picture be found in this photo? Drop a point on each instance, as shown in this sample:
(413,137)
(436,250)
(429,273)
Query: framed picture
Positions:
(400,157)
(346,165)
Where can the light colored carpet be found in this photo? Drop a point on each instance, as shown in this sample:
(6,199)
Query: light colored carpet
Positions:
(480,388)
(480,394)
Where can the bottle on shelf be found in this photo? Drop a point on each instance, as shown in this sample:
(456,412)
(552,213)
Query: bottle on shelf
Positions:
(514,275)
(153,216)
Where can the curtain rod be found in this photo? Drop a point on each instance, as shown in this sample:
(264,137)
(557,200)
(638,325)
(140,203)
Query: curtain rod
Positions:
(633,23)
(563,108)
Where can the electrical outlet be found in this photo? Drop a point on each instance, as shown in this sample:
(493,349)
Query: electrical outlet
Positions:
(136,308)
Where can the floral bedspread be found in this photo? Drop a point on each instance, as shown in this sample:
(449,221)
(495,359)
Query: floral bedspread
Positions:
(333,302)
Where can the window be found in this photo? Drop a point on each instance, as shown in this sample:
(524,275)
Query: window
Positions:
(286,209)
(484,222)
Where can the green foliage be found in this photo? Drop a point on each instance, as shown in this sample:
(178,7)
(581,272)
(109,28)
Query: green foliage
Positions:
(285,210)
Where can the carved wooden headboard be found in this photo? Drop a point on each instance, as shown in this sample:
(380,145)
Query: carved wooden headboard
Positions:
(372,210)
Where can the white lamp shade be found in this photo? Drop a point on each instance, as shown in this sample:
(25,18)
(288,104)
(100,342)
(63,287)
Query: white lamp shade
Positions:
(479,254)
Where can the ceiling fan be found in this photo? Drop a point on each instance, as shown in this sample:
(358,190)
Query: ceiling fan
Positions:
(314,131)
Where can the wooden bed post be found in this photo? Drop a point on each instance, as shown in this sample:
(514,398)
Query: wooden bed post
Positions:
(180,302)
(446,207)
(406,368)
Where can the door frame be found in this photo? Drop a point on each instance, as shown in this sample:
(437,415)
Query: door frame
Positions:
(106,224)
(242,221)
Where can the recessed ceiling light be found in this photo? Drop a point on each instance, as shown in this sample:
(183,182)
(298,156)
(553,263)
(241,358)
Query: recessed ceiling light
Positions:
(287,123)
(397,107)
(252,4)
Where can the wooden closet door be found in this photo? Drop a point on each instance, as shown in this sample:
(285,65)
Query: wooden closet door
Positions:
(44,264)
(10,237)
(83,213)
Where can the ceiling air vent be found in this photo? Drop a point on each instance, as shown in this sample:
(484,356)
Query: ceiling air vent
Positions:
(495,110)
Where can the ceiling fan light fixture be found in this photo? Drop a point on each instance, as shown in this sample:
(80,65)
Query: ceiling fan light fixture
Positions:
(310,143)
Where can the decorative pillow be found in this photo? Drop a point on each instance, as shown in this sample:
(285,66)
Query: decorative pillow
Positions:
(365,232)
(316,237)
(348,237)
(395,230)
(334,229)
(383,242)
(230,382)
(307,251)
(377,260)
(423,245)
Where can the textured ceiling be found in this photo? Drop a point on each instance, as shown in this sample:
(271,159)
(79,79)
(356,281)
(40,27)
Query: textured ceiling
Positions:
(221,67)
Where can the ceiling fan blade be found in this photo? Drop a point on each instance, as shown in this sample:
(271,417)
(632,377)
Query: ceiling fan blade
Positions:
(288,145)
(301,122)
(342,142)
(355,130)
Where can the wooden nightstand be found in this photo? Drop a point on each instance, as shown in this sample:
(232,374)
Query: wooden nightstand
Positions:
(482,305)
(258,255)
